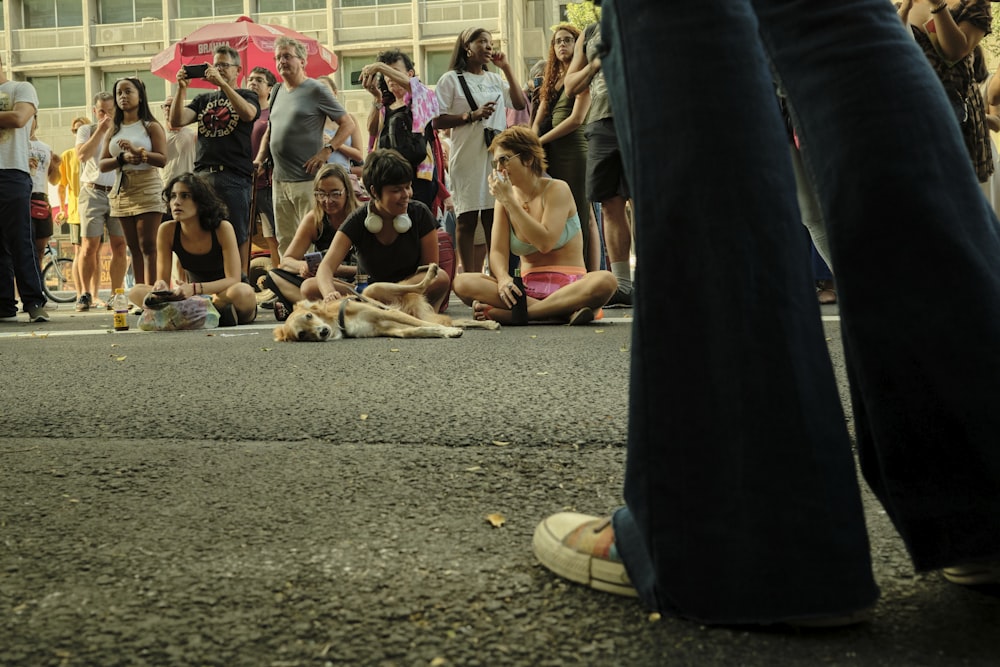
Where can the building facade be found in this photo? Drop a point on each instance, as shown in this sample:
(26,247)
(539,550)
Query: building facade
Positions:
(71,49)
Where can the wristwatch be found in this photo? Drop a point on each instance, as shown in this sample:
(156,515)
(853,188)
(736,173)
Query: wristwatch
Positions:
(467,117)
(330,146)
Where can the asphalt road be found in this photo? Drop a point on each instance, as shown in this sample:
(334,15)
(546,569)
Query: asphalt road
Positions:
(215,498)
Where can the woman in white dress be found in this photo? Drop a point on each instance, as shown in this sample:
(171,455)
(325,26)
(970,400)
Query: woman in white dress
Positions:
(469,162)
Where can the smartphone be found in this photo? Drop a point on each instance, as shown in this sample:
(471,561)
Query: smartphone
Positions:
(538,82)
(196,71)
(356,78)
(312,261)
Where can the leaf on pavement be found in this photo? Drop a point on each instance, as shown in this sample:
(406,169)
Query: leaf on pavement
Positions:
(500,443)
(496,520)
(364,417)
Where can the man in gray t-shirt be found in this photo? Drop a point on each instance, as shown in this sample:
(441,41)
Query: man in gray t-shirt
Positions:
(18,105)
(294,137)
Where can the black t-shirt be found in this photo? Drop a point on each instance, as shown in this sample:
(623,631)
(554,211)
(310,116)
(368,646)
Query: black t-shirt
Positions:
(398,260)
(223,139)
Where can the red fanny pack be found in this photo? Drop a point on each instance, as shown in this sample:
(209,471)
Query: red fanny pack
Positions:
(40,209)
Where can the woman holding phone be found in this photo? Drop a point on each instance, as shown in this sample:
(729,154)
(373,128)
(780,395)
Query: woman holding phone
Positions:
(468,84)
(294,279)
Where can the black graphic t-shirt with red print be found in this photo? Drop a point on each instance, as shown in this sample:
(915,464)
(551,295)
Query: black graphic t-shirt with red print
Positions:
(223,139)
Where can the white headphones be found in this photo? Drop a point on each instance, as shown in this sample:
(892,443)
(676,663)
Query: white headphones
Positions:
(373,223)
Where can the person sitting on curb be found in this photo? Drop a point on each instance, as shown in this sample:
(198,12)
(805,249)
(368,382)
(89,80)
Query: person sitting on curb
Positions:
(535,218)
(206,247)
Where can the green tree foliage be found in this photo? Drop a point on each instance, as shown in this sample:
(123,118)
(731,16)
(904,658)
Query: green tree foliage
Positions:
(582,14)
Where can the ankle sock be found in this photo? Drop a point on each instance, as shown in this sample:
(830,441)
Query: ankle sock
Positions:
(623,273)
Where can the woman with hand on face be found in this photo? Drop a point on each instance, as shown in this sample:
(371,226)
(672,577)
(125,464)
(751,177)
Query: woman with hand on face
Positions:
(395,237)
(135,145)
(469,159)
(536,219)
(559,125)
(205,245)
(295,279)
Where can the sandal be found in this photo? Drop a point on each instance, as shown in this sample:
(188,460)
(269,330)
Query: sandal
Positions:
(281,312)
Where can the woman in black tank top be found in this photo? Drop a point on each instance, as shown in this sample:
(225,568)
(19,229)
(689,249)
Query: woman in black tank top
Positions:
(206,246)
(294,279)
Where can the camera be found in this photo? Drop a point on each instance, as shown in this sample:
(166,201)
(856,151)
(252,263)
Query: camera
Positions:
(313,260)
(196,71)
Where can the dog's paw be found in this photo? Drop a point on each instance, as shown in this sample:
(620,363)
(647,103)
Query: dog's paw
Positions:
(452,332)
(491,325)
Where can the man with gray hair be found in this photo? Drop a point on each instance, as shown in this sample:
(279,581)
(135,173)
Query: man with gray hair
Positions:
(225,120)
(294,137)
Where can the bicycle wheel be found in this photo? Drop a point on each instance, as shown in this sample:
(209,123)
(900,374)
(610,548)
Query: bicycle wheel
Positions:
(57,281)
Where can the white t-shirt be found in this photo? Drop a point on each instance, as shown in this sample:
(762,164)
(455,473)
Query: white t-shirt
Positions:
(14,141)
(39,158)
(89,171)
(469,162)
(137,134)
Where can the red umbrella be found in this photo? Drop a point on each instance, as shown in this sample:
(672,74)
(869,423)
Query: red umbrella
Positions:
(253,41)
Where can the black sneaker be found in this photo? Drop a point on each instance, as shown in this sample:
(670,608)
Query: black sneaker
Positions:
(38,314)
(621,298)
(83,303)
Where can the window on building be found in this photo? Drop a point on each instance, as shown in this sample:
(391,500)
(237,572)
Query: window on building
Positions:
(349,64)
(155,86)
(2,24)
(563,14)
(275,6)
(193,9)
(129,11)
(51,13)
(372,3)
(55,92)
(437,65)
(535,14)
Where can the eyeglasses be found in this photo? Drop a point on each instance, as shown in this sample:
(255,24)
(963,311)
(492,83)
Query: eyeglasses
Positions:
(501,161)
(223,65)
(328,196)
(285,56)
(565,40)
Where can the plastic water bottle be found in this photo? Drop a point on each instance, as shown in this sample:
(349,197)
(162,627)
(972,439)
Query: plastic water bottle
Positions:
(119,304)
(519,311)
(360,282)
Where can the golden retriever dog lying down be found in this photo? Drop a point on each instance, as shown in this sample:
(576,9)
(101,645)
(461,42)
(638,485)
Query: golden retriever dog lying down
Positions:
(385,309)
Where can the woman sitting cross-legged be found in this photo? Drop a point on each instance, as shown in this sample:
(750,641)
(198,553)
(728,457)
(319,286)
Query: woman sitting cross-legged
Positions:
(535,218)
(395,236)
(294,280)
(205,245)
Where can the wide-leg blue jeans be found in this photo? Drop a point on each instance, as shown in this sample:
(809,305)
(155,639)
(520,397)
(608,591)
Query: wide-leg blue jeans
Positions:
(742,503)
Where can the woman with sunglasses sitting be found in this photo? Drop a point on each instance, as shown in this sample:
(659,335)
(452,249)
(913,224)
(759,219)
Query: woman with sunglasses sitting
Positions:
(294,279)
(535,218)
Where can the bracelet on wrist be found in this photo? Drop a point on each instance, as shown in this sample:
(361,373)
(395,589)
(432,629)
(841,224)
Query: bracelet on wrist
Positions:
(940,8)
(121,159)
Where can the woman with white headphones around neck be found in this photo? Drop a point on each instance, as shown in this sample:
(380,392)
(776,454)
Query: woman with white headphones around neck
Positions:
(395,236)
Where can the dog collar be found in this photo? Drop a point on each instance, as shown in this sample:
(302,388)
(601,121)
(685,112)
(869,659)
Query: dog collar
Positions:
(340,318)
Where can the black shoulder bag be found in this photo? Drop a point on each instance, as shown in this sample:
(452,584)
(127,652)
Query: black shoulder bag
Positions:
(489,134)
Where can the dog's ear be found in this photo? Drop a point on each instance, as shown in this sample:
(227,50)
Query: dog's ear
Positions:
(281,334)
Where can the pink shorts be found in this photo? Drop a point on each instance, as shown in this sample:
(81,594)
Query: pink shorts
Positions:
(543,281)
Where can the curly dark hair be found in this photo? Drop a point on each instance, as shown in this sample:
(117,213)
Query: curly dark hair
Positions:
(554,69)
(392,55)
(211,209)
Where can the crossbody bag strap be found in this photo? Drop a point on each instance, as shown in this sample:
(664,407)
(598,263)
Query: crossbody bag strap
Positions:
(468,93)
